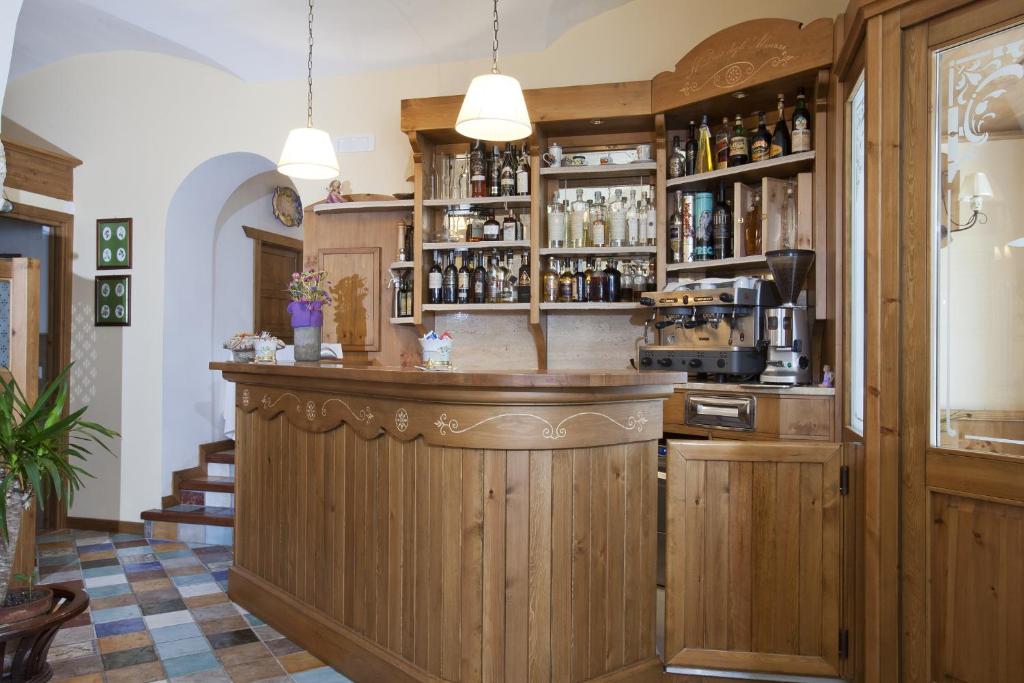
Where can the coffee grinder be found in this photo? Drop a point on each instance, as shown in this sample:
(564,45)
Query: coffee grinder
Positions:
(788,326)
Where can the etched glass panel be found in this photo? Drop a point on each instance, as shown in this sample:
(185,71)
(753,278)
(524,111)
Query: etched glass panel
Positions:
(978,244)
(5,324)
(855,261)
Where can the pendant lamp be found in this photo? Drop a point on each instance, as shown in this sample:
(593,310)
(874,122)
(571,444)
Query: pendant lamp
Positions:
(494,108)
(308,152)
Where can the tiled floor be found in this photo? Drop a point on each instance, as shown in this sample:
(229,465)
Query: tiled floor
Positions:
(159,612)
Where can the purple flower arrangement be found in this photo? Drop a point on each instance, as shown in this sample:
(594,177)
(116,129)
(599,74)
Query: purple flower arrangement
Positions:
(310,292)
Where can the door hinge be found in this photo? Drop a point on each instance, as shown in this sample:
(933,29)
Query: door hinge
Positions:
(844,643)
(844,480)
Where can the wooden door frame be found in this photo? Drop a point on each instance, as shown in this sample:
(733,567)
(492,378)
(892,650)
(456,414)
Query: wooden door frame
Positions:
(259,237)
(60,278)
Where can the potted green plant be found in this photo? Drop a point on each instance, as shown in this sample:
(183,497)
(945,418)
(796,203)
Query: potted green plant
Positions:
(39,447)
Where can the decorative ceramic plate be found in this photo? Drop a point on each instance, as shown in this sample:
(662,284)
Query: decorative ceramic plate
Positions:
(287,207)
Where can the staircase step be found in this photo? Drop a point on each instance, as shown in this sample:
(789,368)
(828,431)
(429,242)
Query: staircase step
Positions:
(215,484)
(222,457)
(193,514)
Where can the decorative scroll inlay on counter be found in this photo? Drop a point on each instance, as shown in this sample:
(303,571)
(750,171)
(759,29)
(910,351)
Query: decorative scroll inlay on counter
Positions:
(445,424)
(459,423)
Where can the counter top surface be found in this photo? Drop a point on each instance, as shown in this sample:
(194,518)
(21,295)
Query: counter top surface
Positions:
(486,378)
(756,389)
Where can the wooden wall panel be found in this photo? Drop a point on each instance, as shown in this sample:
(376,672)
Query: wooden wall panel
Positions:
(452,564)
(753,562)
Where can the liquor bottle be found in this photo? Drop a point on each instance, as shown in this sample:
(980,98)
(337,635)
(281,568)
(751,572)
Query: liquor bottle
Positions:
(477,170)
(493,283)
(677,159)
(722,230)
(739,146)
(492,231)
(588,273)
(507,279)
(578,224)
(597,282)
(780,138)
(705,161)
(565,283)
(405,295)
(510,227)
(703,226)
(556,223)
(524,281)
(523,173)
(617,237)
(632,221)
(627,280)
(612,284)
(507,179)
(479,293)
(687,231)
(691,150)
(801,136)
(435,281)
(640,283)
(494,173)
(652,279)
(675,231)
(549,290)
(651,214)
(475,233)
(464,277)
(598,231)
(752,226)
(450,281)
(760,145)
(789,219)
(722,144)
(580,289)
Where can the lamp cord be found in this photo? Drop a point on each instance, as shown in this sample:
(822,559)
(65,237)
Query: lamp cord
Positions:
(494,45)
(309,71)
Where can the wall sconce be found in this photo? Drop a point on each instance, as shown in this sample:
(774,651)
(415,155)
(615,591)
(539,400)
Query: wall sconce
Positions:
(975,189)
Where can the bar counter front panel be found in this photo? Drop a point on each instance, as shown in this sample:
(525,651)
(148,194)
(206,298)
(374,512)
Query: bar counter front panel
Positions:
(384,523)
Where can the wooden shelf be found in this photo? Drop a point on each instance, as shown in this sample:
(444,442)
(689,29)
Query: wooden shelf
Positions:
(735,263)
(402,265)
(606,172)
(467,308)
(443,246)
(346,207)
(590,306)
(783,167)
(408,320)
(517,200)
(596,251)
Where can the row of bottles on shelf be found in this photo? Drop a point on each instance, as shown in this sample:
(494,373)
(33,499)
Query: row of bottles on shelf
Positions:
(503,278)
(702,229)
(583,280)
(596,223)
(478,174)
(704,151)
(468,224)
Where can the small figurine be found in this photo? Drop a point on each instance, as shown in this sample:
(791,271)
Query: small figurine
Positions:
(828,378)
(334,192)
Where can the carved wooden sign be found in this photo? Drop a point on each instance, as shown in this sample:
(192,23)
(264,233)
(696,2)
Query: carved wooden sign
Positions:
(741,56)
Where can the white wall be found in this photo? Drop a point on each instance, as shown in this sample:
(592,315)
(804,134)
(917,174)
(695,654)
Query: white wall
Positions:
(9,11)
(143,122)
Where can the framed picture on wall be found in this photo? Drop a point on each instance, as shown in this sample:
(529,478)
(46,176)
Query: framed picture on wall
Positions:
(114,243)
(113,300)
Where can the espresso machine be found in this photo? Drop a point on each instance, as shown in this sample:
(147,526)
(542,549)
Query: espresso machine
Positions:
(712,328)
(788,325)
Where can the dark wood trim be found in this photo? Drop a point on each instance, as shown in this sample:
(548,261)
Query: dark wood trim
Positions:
(100,221)
(272,238)
(109,525)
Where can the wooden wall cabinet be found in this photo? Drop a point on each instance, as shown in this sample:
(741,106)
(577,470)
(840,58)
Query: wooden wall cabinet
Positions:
(754,560)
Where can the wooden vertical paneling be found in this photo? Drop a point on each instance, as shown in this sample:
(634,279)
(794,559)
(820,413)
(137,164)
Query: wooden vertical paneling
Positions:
(471,664)
(517,565)
(716,555)
(540,567)
(494,567)
(410,485)
(741,482)
(615,543)
(598,523)
(632,623)
(434,584)
(581,585)
(396,544)
(562,562)
(424,619)
(451,560)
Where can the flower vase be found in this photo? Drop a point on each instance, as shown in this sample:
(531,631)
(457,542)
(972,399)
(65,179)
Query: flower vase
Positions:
(307,322)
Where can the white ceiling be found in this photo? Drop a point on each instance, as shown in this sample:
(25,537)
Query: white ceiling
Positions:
(260,40)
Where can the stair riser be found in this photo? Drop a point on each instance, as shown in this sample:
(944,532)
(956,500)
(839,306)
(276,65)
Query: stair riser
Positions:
(190,533)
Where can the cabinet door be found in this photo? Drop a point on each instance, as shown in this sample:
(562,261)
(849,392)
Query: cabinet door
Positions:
(753,558)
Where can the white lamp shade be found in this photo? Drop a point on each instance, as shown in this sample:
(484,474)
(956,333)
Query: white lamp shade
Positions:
(494,110)
(308,154)
(975,185)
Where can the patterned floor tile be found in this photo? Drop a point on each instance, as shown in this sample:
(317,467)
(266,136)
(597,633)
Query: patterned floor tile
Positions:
(212,676)
(322,675)
(140,673)
(72,651)
(180,648)
(220,641)
(130,657)
(96,604)
(190,664)
(105,616)
(125,642)
(300,661)
(225,624)
(167,634)
(164,606)
(76,634)
(257,670)
(117,628)
(232,656)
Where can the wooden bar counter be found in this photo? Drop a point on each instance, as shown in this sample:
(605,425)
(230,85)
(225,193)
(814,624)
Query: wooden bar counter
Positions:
(411,526)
